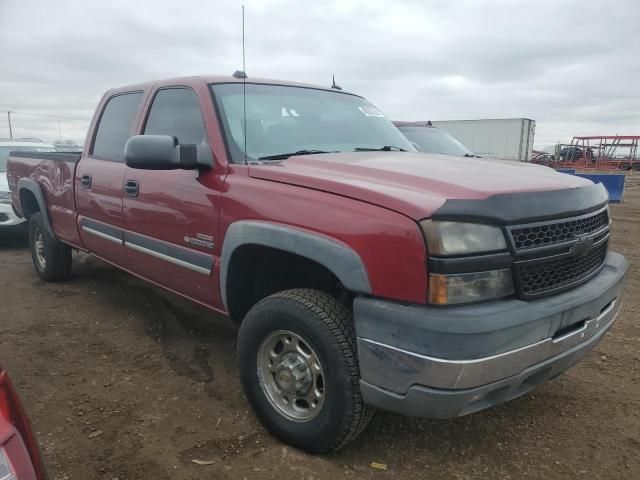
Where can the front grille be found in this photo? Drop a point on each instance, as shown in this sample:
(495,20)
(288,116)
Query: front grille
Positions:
(4,217)
(556,232)
(549,256)
(540,277)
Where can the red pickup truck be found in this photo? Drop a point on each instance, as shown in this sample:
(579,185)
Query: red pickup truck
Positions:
(362,273)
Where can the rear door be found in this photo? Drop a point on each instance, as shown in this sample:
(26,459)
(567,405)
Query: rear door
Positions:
(171,216)
(99,179)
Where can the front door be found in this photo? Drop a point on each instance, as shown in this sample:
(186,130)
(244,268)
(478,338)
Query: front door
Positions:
(171,216)
(99,179)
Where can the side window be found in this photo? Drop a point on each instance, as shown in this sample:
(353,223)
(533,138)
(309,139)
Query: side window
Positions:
(176,112)
(115,126)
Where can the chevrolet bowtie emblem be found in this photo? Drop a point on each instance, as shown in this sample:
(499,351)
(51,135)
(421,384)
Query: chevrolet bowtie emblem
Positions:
(583,244)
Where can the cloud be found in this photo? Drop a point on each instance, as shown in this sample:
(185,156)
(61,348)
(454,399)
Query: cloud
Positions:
(569,65)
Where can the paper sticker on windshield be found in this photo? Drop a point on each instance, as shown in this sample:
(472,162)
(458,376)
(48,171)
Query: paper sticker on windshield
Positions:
(371,112)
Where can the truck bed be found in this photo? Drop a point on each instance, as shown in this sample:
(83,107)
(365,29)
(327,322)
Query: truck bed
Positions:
(58,156)
(54,174)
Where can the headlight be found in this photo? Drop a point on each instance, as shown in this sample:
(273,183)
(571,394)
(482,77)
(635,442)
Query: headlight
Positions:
(457,238)
(5,197)
(469,287)
(446,239)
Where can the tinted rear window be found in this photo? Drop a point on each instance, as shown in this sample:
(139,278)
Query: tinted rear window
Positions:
(115,126)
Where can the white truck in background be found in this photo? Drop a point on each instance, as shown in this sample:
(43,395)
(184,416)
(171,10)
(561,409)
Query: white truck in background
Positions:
(505,138)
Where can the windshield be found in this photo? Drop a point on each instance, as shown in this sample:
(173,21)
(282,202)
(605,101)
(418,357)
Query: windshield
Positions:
(284,119)
(434,140)
(5,149)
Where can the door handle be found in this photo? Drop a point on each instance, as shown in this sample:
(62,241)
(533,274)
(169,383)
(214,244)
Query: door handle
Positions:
(85,180)
(131,188)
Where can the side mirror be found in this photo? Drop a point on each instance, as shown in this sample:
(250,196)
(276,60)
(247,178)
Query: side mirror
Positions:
(159,152)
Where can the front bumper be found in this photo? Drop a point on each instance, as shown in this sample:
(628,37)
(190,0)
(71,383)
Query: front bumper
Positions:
(8,218)
(447,362)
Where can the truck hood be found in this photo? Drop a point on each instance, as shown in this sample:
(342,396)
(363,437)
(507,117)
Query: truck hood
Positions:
(414,184)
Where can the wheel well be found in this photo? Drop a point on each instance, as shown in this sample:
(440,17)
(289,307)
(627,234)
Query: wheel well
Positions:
(256,271)
(28,203)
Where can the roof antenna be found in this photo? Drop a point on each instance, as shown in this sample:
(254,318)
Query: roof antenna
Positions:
(333,85)
(242,74)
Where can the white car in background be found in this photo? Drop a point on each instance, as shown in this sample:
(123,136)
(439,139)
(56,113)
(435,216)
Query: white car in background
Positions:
(7,216)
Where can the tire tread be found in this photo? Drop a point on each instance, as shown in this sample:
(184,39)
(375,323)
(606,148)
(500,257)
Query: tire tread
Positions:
(58,254)
(339,321)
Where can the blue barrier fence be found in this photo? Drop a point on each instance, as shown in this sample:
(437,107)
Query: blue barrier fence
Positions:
(613,182)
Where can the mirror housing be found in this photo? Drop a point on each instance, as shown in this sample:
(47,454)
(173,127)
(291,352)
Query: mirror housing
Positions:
(159,152)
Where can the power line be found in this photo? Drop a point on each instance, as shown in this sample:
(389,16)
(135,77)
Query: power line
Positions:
(63,117)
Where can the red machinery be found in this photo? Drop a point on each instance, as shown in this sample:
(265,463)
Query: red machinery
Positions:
(602,152)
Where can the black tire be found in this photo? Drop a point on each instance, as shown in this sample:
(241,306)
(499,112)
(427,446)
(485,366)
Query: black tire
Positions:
(51,258)
(327,326)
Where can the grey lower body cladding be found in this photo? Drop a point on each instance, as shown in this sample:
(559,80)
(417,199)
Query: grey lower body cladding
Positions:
(181,256)
(448,362)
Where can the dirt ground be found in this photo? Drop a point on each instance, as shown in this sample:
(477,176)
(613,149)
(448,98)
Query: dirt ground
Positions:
(124,381)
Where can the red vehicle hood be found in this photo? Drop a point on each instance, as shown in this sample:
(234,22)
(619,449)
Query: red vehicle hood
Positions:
(414,184)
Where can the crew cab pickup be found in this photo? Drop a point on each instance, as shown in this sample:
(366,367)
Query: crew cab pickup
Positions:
(362,273)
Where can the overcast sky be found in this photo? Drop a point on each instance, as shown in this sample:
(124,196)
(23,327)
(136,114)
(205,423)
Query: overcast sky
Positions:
(573,66)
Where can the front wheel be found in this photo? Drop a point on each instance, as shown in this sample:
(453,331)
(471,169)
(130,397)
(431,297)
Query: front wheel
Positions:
(299,370)
(51,258)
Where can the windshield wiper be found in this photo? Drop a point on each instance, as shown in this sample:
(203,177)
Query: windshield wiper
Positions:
(282,156)
(472,155)
(386,148)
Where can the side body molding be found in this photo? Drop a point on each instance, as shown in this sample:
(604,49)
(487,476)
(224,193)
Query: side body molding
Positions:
(33,187)
(339,258)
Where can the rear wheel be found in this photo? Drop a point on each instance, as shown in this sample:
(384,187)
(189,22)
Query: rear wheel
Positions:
(51,258)
(299,370)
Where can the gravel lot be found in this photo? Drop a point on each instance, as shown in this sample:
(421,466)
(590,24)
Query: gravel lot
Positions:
(125,381)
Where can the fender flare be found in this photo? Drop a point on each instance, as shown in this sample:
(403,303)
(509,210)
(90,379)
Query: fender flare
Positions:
(336,256)
(33,187)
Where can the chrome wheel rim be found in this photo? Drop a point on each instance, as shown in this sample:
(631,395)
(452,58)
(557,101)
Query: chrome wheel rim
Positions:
(38,244)
(291,376)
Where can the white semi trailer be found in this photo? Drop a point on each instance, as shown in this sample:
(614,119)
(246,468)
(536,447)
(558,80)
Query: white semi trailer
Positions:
(505,138)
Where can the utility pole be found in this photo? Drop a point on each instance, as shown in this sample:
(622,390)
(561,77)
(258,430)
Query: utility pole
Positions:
(9,117)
